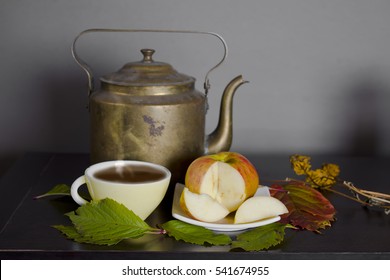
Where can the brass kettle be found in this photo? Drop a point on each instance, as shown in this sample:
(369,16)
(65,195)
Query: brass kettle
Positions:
(148,111)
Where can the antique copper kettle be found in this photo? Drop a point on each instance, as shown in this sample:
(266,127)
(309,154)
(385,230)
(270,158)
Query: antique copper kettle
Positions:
(148,111)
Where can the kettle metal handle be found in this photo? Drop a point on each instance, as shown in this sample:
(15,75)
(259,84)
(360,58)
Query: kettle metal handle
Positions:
(88,69)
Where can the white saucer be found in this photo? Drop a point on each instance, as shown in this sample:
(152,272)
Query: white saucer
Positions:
(225,224)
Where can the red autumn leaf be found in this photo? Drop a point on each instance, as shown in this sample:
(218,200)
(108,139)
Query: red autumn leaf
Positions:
(308,208)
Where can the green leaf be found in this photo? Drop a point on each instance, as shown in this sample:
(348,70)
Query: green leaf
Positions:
(260,238)
(194,234)
(105,222)
(60,189)
(71,233)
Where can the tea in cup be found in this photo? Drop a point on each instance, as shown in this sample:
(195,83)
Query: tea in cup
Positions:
(139,185)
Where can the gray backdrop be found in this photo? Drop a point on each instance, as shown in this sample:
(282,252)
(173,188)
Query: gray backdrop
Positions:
(318,70)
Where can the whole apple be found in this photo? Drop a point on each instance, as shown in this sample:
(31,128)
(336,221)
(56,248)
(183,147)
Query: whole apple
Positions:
(228,177)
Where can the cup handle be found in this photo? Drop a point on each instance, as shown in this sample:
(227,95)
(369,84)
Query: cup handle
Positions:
(74,190)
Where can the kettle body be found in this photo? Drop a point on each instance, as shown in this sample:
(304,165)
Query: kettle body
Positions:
(164,125)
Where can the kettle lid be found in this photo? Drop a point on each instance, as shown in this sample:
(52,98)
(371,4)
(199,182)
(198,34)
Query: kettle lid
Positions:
(147,72)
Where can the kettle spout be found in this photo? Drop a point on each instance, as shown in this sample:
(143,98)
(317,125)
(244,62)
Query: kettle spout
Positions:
(221,138)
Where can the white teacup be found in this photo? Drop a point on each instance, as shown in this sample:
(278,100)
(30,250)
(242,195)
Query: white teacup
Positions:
(138,185)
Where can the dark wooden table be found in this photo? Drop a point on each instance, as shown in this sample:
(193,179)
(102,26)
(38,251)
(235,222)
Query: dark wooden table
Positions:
(26,232)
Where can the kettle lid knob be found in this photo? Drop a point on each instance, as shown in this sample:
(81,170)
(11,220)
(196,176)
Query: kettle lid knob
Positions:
(148,53)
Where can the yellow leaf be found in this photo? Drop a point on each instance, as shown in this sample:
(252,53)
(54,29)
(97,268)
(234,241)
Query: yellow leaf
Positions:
(300,164)
(331,169)
(320,178)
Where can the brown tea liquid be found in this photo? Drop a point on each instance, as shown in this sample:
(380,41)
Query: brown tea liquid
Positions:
(130,174)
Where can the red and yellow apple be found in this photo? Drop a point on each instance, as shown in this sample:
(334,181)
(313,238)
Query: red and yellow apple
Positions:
(229,178)
(218,184)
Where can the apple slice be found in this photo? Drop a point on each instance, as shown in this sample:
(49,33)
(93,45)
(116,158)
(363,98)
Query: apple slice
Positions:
(202,207)
(259,208)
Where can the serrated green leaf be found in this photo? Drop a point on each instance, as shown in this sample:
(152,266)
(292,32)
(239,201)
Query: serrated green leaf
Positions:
(194,234)
(71,233)
(105,222)
(57,190)
(260,238)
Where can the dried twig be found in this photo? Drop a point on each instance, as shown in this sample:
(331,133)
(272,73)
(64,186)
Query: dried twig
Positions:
(371,198)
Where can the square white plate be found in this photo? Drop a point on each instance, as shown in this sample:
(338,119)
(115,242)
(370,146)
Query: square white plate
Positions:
(226,224)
